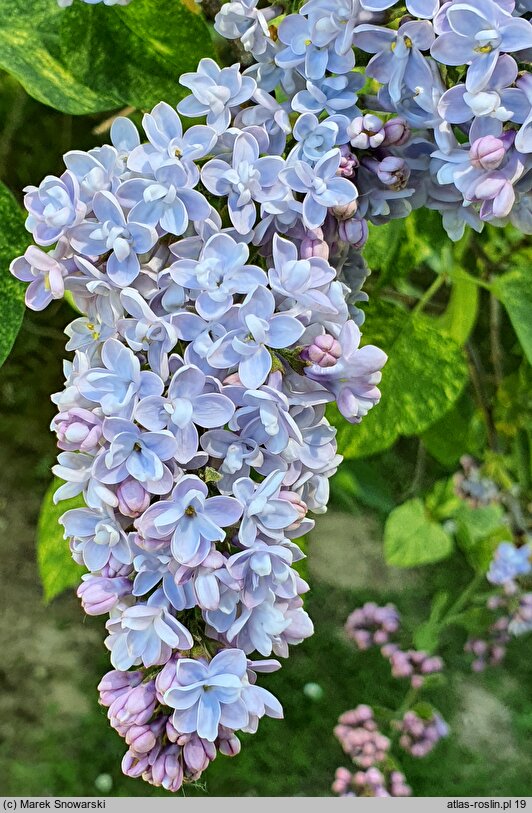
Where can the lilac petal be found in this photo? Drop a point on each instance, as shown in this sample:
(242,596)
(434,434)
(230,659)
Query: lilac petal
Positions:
(208,716)
(254,370)
(223,511)
(213,411)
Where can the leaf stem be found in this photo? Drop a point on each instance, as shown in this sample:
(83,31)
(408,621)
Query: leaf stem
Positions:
(429,293)
(452,613)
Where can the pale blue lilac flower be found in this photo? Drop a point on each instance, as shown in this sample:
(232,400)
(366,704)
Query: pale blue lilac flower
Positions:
(269,114)
(145,633)
(191,519)
(96,536)
(218,274)
(188,403)
(54,208)
(366,132)
(205,696)
(167,201)
(264,568)
(257,328)
(111,233)
(94,293)
(263,511)
(137,454)
(168,143)
(147,332)
(117,385)
(124,137)
(295,32)
(242,20)
(523,139)
(396,52)
(248,179)
(508,563)
(332,94)
(332,22)
(264,416)
(45,272)
(305,282)
(215,91)
(253,628)
(96,171)
(496,99)
(478,31)
(238,454)
(316,138)
(320,185)
(354,378)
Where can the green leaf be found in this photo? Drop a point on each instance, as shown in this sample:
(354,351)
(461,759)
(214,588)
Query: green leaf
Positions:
(13,241)
(411,538)
(57,569)
(424,376)
(478,533)
(442,502)
(460,431)
(426,636)
(359,481)
(515,292)
(87,58)
(461,313)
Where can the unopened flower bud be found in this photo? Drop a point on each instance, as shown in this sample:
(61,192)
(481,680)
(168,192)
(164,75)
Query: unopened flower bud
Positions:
(346,211)
(397,132)
(393,172)
(300,506)
(133,499)
(116,683)
(324,351)
(314,247)
(487,152)
(353,231)
(99,595)
(348,162)
(366,132)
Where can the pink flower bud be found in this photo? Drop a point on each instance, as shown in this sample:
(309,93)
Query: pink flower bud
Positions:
(348,162)
(487,152)
(314,247)
(166,770)
(133,499)
(198,753)
(353,231)
(393,172)
(346,211)
(165,678)
(232,380)
(116,683)
(77,429)
(397,132)
(366,132)
(229,745)
(298,504)
(134,766)
(99,595)
(140,738)
(324,351)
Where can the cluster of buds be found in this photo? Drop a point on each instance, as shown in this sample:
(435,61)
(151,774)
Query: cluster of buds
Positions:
(412,663)
(371,782)
(418,736)
(371,625)
(471,485)
(358,734)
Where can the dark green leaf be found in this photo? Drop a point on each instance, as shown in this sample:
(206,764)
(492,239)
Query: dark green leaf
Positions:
(422,379)
(88,58)
(411,538)
(460,431)
(57,569)
(13,241)
(461,313)
(478,533)
(515,292)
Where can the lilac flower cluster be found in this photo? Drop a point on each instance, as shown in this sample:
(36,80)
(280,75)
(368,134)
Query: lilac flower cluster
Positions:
(418,736)
(413,664)
(371,625)
(472,486)
(360,738)
(459,139)
(214,329)
(371,782)
(509,562)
